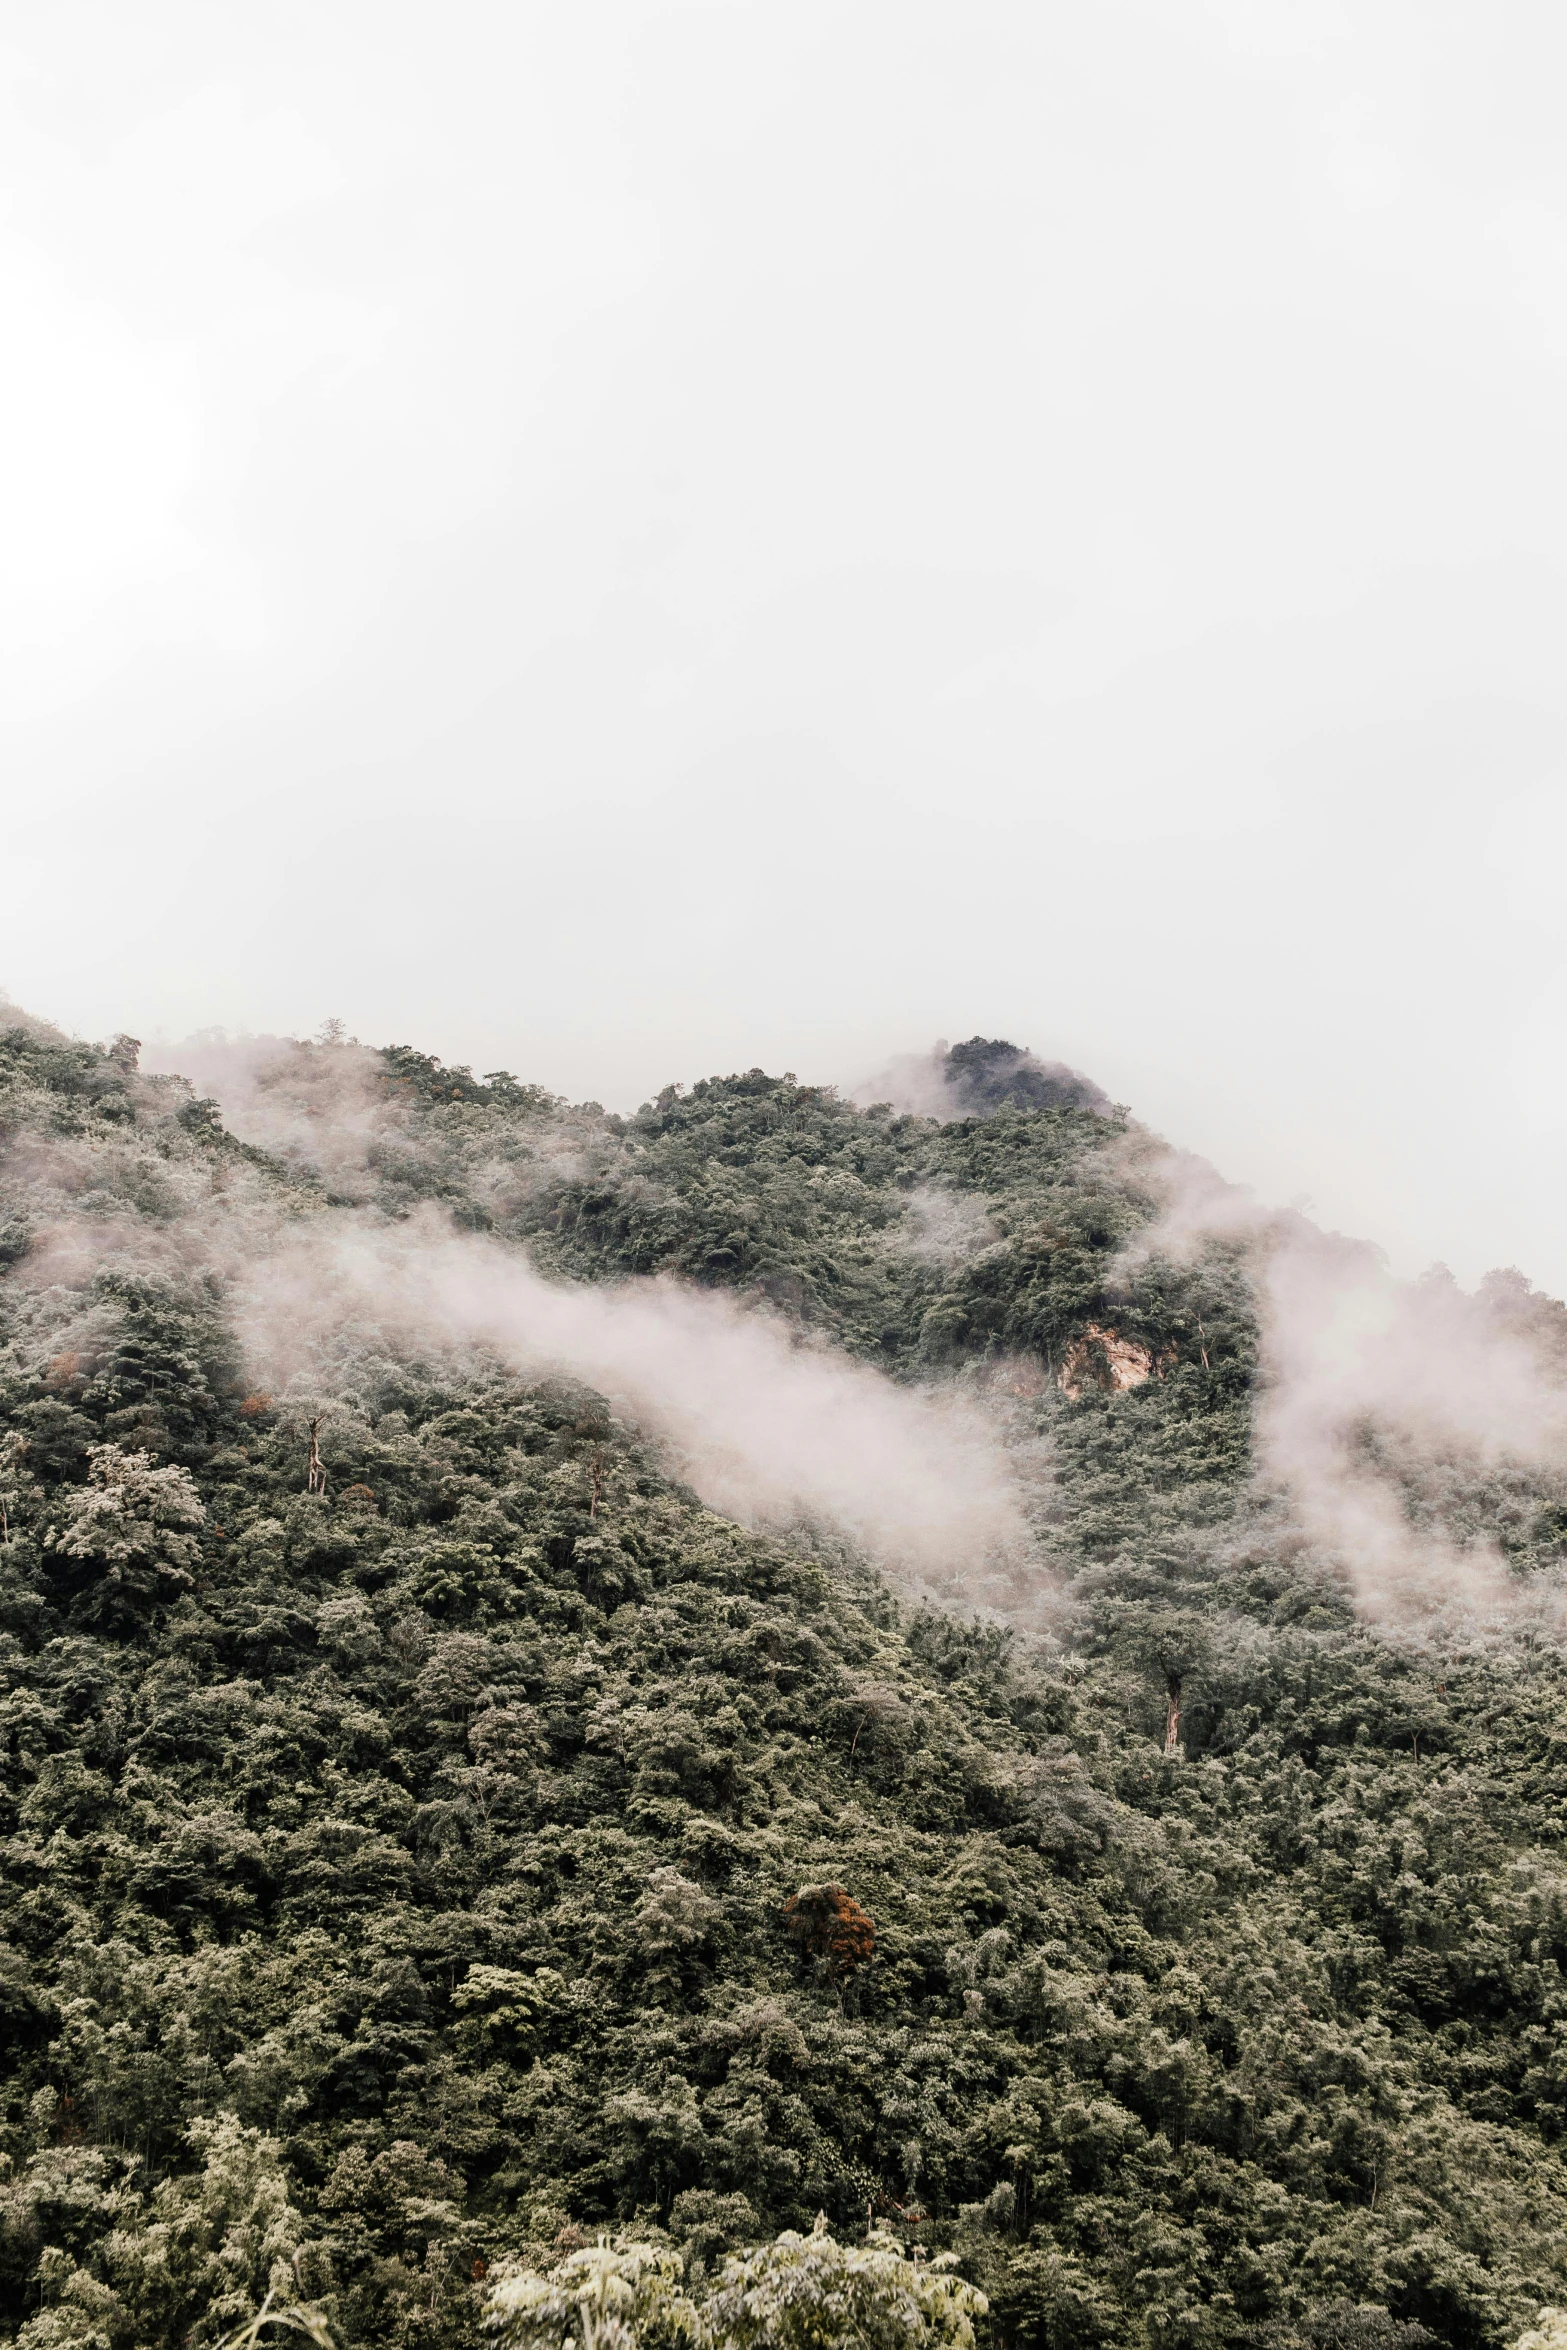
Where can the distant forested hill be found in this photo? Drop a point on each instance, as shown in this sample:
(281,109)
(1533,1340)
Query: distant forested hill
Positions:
(459,1840)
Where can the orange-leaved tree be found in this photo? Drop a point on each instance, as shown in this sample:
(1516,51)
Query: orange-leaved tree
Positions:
(828,1923)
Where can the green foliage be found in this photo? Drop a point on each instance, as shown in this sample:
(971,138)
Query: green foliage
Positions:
(608,2296)
(1550,2334)
(131,1527)
(198,2253)
(396,1882)
(808,2293)
(804,2292)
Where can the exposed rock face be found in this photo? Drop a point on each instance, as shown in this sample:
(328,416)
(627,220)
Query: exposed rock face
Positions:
(1100,1358)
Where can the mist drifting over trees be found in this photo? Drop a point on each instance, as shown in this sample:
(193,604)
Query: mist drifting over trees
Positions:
(914,1696)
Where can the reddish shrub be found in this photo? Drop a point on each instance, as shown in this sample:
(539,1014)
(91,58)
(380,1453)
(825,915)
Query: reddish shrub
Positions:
(828,1923)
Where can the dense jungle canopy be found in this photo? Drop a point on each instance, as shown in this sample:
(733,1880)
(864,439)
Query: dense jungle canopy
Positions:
(476,1844)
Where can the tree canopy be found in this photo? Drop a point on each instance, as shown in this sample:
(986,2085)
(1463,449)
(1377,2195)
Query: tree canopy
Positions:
(500,1866)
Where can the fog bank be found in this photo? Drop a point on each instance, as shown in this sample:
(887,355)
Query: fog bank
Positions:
(1384,1405)
(766,1425)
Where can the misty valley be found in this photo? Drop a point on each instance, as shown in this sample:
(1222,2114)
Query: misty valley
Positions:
(778,1721)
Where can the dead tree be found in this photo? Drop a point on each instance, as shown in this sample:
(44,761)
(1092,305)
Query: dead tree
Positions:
(315,1474)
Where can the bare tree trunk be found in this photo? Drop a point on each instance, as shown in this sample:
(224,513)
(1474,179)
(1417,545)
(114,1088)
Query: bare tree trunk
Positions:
(1172,1717)
(315,1474)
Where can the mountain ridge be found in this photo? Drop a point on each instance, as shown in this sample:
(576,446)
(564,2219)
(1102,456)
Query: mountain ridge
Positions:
(397,1877)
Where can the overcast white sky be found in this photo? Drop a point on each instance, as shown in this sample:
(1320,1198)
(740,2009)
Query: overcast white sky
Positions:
(625,540)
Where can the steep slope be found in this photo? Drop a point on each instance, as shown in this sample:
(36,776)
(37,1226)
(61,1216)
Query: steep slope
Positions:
(398,1873)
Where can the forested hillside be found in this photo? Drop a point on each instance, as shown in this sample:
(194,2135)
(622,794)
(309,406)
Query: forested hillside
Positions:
(432,1836)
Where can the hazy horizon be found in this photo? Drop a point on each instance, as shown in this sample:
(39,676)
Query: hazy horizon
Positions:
(633,543)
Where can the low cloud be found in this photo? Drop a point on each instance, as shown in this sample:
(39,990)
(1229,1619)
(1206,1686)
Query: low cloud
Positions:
(768,1427)
(1385,1402)
(973,1079)
(1383,1405)
(946,1227)
(311,1106)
